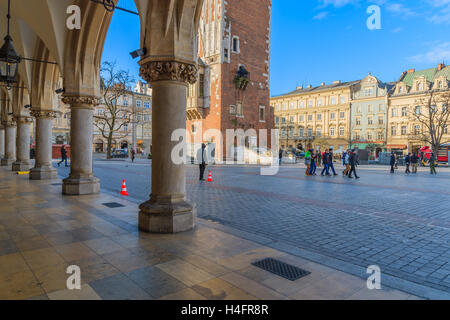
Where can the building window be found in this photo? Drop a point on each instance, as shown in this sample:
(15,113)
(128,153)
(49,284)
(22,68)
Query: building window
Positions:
(194,128)
(341,131)
(239,110)
(403,130)
(357,136)
(309,132)
(404,111)
(300,131)
(301,118)
(381,108)
(201,85)
(370,108)
(235,45)
(302,104)
(277,120)
(369,136)
(417,130)
(310,103)
(420,87)
(292,119)
(292,106)
(225,53)
(380,136)
(310,118)
(446,129)
(400,90)
(99,112)
(333,100)
(369,92)
(381,120)
(332,116)
(146,117)
(358,109)
(138,103)
(394,112)
(331,131)
(343,100)
(125,127)
(146,105)
(232,109)
(369,120)
(418,110)
(125,102)
(283,120)
(319,102)
(358,121)
(394,130)
(319,117)
(318,132)
(342,115)
(262,113)
(283,107)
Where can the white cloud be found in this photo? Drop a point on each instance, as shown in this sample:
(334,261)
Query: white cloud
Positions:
(397,30)
(435,55)
(337,3)
(400,9)
(322,15)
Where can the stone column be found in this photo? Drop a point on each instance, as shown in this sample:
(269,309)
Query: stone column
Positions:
(10,144)
(2,142)
(81,180)
(43,168)
(167,211)
(23,162)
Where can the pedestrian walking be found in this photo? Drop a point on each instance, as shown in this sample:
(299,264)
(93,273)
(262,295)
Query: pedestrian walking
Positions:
(201,158)
(280,156)
(330,164)
(352,162)
(432,164)
(325,161)
(133,155)
(63,155)
(313,168)
(407,162)
(392,162)
(414,162)
(346,163)
(307,162)
(319,158)
(344,155)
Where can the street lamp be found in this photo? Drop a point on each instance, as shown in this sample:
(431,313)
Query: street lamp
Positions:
(9,59)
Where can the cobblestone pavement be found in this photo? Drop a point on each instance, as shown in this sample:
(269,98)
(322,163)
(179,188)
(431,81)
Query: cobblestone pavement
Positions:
(398,222)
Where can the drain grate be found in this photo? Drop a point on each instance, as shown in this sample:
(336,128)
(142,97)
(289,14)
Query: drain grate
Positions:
(281,269)
(113,205)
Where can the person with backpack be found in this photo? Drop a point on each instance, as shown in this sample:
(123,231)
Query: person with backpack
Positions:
(325,161)
(63,155)
(432,164)
(313,168)
(330,163)
(414,162)
(392,162)
(352,162)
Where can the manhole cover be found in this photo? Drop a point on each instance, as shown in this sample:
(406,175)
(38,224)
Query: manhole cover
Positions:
(281,269)
(113,205)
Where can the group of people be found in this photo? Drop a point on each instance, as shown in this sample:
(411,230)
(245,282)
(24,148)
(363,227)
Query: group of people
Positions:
(412,161)
(313,159)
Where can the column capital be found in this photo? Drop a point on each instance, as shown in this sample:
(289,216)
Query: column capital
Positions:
(10,123)
(153,71)
(23,119)
(43,114)
(77,101)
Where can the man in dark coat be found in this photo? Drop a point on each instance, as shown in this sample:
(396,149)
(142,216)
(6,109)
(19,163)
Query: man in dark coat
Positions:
(392,163)
(201,158)
(414,162)
(352,162)
(63,155)
(407,162)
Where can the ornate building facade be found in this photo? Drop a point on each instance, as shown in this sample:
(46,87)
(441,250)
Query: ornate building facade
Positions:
(232,91)
(316,117)
(404,134)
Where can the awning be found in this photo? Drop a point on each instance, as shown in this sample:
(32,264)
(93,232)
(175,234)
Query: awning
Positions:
(397,146)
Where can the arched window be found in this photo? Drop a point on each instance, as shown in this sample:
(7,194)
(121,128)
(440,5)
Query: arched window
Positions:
(331,131)
(418,111)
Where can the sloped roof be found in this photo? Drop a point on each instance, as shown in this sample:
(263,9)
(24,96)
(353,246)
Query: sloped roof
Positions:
(319,88)
(429,74)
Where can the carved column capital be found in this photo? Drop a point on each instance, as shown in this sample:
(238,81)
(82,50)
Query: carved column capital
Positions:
(80,101)
(23,119)
(43,114)
(10,124)
(153,71)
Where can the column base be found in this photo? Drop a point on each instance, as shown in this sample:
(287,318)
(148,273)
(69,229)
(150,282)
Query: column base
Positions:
(20,166)
(7,162)
(80,186)
(167,218)
(44,173)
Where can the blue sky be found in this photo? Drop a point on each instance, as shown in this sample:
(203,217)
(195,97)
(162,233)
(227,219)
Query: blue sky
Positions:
(316,41)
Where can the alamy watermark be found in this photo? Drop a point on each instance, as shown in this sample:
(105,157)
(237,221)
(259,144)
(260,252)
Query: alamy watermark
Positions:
(374,280)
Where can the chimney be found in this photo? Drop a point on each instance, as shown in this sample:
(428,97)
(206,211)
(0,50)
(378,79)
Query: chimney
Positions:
(322,84)
(337,82)
(309,86)
(440,66)
(411,70)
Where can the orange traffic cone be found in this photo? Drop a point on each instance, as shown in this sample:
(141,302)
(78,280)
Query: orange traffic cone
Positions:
(124,191)
(210,179)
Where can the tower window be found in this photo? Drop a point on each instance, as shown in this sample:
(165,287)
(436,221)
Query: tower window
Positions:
(235,46)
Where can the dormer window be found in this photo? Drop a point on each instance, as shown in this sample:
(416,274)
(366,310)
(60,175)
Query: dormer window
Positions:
(420,87)
(400,90)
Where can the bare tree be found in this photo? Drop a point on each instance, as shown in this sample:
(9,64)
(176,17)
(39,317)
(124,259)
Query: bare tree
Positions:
(432,113)
(115,117)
